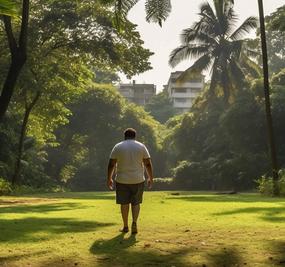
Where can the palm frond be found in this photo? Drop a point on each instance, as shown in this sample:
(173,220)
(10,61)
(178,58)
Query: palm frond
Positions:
(201,64)
(8,8)
(157,10)
(187,51)
(249,24)
(190,34)
(251,68)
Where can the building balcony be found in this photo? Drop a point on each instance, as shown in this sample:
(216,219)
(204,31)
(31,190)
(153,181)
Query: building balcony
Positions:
(185,95)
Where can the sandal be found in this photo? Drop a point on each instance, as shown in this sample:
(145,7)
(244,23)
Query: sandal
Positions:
(134,228)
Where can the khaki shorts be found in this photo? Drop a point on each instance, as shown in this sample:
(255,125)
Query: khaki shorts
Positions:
(129,193)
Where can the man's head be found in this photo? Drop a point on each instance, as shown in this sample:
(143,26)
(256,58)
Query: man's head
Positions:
(130,133)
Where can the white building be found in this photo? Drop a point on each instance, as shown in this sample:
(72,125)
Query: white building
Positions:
(182,94)
(137,93)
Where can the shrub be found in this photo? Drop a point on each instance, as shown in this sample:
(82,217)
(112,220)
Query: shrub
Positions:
(265,185)
(163,184)
(190,175)
(5,187)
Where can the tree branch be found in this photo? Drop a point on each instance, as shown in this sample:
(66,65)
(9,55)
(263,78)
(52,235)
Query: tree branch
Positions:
(10,35)
(24,25)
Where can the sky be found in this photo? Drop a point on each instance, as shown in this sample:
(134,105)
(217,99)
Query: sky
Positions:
(163,40)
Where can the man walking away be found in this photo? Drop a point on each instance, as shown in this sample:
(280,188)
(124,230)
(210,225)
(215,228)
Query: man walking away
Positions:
(129,158)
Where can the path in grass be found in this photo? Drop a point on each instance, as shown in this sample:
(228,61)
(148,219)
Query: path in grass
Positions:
(81,229)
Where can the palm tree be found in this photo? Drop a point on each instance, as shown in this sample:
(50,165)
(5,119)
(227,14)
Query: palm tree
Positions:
(215,42)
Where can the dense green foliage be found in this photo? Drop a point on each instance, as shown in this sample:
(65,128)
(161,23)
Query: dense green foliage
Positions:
(160,107)
(99,117)
(66,114)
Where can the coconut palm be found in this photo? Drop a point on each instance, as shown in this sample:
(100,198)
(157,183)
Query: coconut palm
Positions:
(215,42)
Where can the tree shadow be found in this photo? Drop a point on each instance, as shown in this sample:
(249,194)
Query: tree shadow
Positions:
(27,229)
(76,195)
(119,251)
(226,257)
(42,208)
(243,198)
(269,214)
(277,248)
(6,260)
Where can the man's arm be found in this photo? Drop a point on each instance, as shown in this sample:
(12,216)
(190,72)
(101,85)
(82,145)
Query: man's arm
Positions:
(111,168)
(149,171)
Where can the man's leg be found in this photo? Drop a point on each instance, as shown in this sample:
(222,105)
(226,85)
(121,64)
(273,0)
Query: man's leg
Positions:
(135,212)
(125,213)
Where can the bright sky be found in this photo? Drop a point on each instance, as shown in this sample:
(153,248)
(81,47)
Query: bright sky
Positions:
(163,40)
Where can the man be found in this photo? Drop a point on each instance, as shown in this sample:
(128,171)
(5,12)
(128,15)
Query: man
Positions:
(129,158)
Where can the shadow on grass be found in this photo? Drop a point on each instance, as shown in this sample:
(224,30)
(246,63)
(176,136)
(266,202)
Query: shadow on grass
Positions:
(120,251)
(42,208)
(77,195)
(38,229)
(243,198)
(269,214)
(6,260)
(226,257)
(277,249)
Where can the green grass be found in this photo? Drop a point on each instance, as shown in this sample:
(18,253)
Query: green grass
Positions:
(189,229)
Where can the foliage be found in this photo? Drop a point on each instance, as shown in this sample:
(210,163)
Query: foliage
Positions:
(265,184)
(224,147)
(275,43)
(99,117)
(160,107)
(5,187)
(276,20)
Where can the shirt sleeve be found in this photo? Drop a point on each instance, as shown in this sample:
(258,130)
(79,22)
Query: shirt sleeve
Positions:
(114,153)
(146,154)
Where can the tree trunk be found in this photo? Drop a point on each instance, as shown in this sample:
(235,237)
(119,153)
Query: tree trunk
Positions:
(17,63)
(18,56)
(28,109)
(271,140)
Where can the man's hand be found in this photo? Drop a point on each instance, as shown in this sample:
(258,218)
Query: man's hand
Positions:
(111,168)
(110,184)
(149,183)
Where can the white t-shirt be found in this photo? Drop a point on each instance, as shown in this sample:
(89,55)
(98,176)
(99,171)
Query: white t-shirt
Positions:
(129,155)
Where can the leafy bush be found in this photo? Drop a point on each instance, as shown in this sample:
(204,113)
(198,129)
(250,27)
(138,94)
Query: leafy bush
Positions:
(190,175)
(5,187)
(265,185)
(163,184)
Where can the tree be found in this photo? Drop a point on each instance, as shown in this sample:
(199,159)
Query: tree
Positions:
(18,52)
(276,20)
(80,29)
(217,44)
(160,107)
(270,130)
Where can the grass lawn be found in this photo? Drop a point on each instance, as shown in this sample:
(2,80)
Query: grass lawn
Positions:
(189,229)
